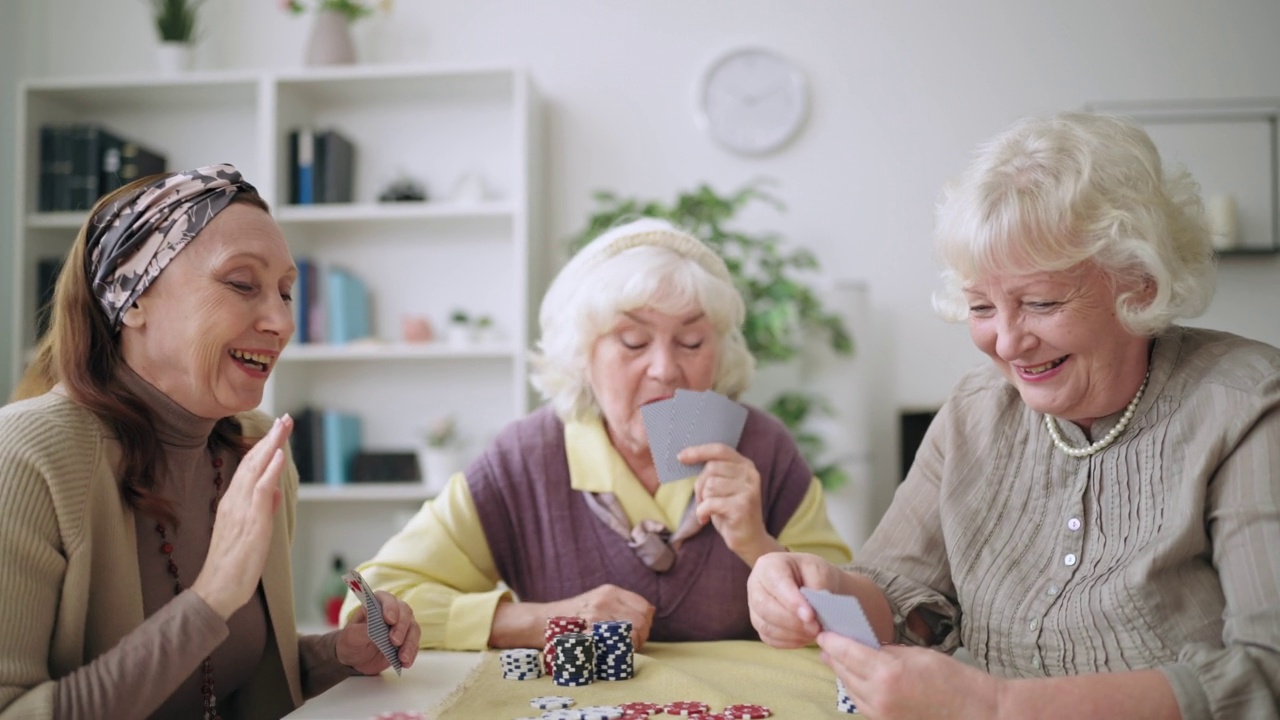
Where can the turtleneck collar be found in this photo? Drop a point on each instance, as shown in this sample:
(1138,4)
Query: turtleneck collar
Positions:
(174,425)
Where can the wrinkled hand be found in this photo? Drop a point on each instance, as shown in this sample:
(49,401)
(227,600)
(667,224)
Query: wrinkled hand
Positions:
(242,530)
(779,612)
(909,683)
(355,648)
(610,602)
(727,495)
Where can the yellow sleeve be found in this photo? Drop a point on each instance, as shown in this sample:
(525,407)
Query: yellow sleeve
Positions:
(441,566)
(809,530)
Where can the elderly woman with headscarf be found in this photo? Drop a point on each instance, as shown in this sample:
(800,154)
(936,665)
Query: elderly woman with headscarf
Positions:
(1095,515)
(565,507)
(146,511)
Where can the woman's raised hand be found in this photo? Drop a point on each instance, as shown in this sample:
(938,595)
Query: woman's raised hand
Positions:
(242,530)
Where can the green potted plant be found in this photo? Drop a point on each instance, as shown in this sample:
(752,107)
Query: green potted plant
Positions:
(175,22)
(461,332)
(781,307)
(439,457)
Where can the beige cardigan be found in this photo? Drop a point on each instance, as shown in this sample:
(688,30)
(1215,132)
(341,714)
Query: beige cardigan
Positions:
(68,561)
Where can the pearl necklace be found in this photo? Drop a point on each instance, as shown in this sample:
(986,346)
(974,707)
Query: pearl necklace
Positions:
(1107,439)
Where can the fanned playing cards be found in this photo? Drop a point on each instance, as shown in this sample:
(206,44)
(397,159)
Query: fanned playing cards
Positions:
(842,615)
(379,632)
(690,418)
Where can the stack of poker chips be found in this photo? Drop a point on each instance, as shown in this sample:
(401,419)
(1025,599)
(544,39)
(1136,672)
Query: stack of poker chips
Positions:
(520,664)
(575,659)
(844,703)
(615,653)
(556,626)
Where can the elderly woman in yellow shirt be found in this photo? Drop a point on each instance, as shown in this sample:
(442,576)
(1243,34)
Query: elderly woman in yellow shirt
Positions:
(565,508)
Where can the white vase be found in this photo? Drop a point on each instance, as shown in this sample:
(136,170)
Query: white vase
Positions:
(437,465)
(330,40)
(173,57)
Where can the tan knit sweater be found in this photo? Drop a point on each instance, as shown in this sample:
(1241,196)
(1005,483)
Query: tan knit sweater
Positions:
(70,585)
(1161,551)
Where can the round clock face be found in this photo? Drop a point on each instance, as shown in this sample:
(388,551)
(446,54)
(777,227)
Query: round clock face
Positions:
(752,101)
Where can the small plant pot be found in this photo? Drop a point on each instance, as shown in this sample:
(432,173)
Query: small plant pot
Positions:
(173,58)
(462,336)
(437,465)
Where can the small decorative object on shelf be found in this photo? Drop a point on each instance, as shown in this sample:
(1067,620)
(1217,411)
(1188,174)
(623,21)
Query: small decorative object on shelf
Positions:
(416,329)
(1220,210)
(470,189)
(330,40)
(404,189)
(484,331)
(175,27)
(440,457)
(461,332)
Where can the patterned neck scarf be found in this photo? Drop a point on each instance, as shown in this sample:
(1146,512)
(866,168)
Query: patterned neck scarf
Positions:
(131,240)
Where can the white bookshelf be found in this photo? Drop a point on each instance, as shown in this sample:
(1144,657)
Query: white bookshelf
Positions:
(434,124)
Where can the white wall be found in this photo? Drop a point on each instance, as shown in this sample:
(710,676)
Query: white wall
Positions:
(902,91)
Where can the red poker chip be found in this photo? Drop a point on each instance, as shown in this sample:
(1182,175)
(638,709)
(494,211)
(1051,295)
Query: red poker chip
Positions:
(641,709)
(743,711)
(686,707)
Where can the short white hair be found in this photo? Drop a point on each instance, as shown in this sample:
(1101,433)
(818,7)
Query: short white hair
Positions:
(647,263)
(1049,194)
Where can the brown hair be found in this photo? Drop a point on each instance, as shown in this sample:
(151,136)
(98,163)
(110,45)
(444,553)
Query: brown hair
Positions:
(81,351)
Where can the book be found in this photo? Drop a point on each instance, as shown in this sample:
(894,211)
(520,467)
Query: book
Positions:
(139,161)
(346,302)
(56,165)
(307,443)
(302,158)
(335,163)
(91,145)
(342,438)
(303,297)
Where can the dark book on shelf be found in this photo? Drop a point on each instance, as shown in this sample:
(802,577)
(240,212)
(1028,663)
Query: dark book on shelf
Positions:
(47,270)
(385,467)
(307,443)
(335,163)
(138,161)
(55,168)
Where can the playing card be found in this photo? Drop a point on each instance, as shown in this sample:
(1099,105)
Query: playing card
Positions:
(716,419)
(379,631)
(659,425)
(841,614)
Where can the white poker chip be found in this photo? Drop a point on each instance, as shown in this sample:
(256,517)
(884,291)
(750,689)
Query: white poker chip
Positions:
(601,712)
(551,702)
(562,714)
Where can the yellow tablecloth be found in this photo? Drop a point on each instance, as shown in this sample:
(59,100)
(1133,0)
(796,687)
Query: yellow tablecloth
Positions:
(793,683)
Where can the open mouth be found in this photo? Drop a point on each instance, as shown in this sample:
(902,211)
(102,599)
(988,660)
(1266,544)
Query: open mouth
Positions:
(258,362)
(1042,369)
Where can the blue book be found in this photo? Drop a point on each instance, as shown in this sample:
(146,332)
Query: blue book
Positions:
(346,307)
(306,167)
(341,445)
(303,296)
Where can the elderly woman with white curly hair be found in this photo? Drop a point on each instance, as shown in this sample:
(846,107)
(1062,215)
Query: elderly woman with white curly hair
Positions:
(1095,515)
(565,507)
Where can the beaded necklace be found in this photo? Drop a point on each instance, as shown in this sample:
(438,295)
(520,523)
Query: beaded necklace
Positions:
(1105,440)
(166,548)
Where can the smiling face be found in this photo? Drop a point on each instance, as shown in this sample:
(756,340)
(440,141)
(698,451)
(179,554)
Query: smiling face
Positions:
(1056,337)
(210,327)
(647,356)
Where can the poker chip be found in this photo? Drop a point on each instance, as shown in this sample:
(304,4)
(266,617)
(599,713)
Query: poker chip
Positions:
(641,708)
(743,711)
(551,702)
(556,626)
(686,707)
(562,714)
(520,664)
(615,652)
(601,712)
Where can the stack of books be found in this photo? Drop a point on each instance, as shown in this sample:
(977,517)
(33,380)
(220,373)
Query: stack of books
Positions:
(325,444)
(321,167)
(81,162)
(330,305)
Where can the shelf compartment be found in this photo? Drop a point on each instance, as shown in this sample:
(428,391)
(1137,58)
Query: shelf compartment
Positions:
(363,352)
(363,492)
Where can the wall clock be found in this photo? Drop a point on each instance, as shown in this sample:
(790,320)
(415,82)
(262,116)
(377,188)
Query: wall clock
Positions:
(752,100)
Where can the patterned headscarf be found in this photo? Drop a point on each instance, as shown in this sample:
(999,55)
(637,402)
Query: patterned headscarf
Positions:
(131,240)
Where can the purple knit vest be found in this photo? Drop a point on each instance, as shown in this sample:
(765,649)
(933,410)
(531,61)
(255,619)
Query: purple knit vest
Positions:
(548,545)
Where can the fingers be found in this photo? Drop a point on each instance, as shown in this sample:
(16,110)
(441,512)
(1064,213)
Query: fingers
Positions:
(778,610)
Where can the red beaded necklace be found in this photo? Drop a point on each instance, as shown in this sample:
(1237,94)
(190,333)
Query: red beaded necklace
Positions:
(166,547)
